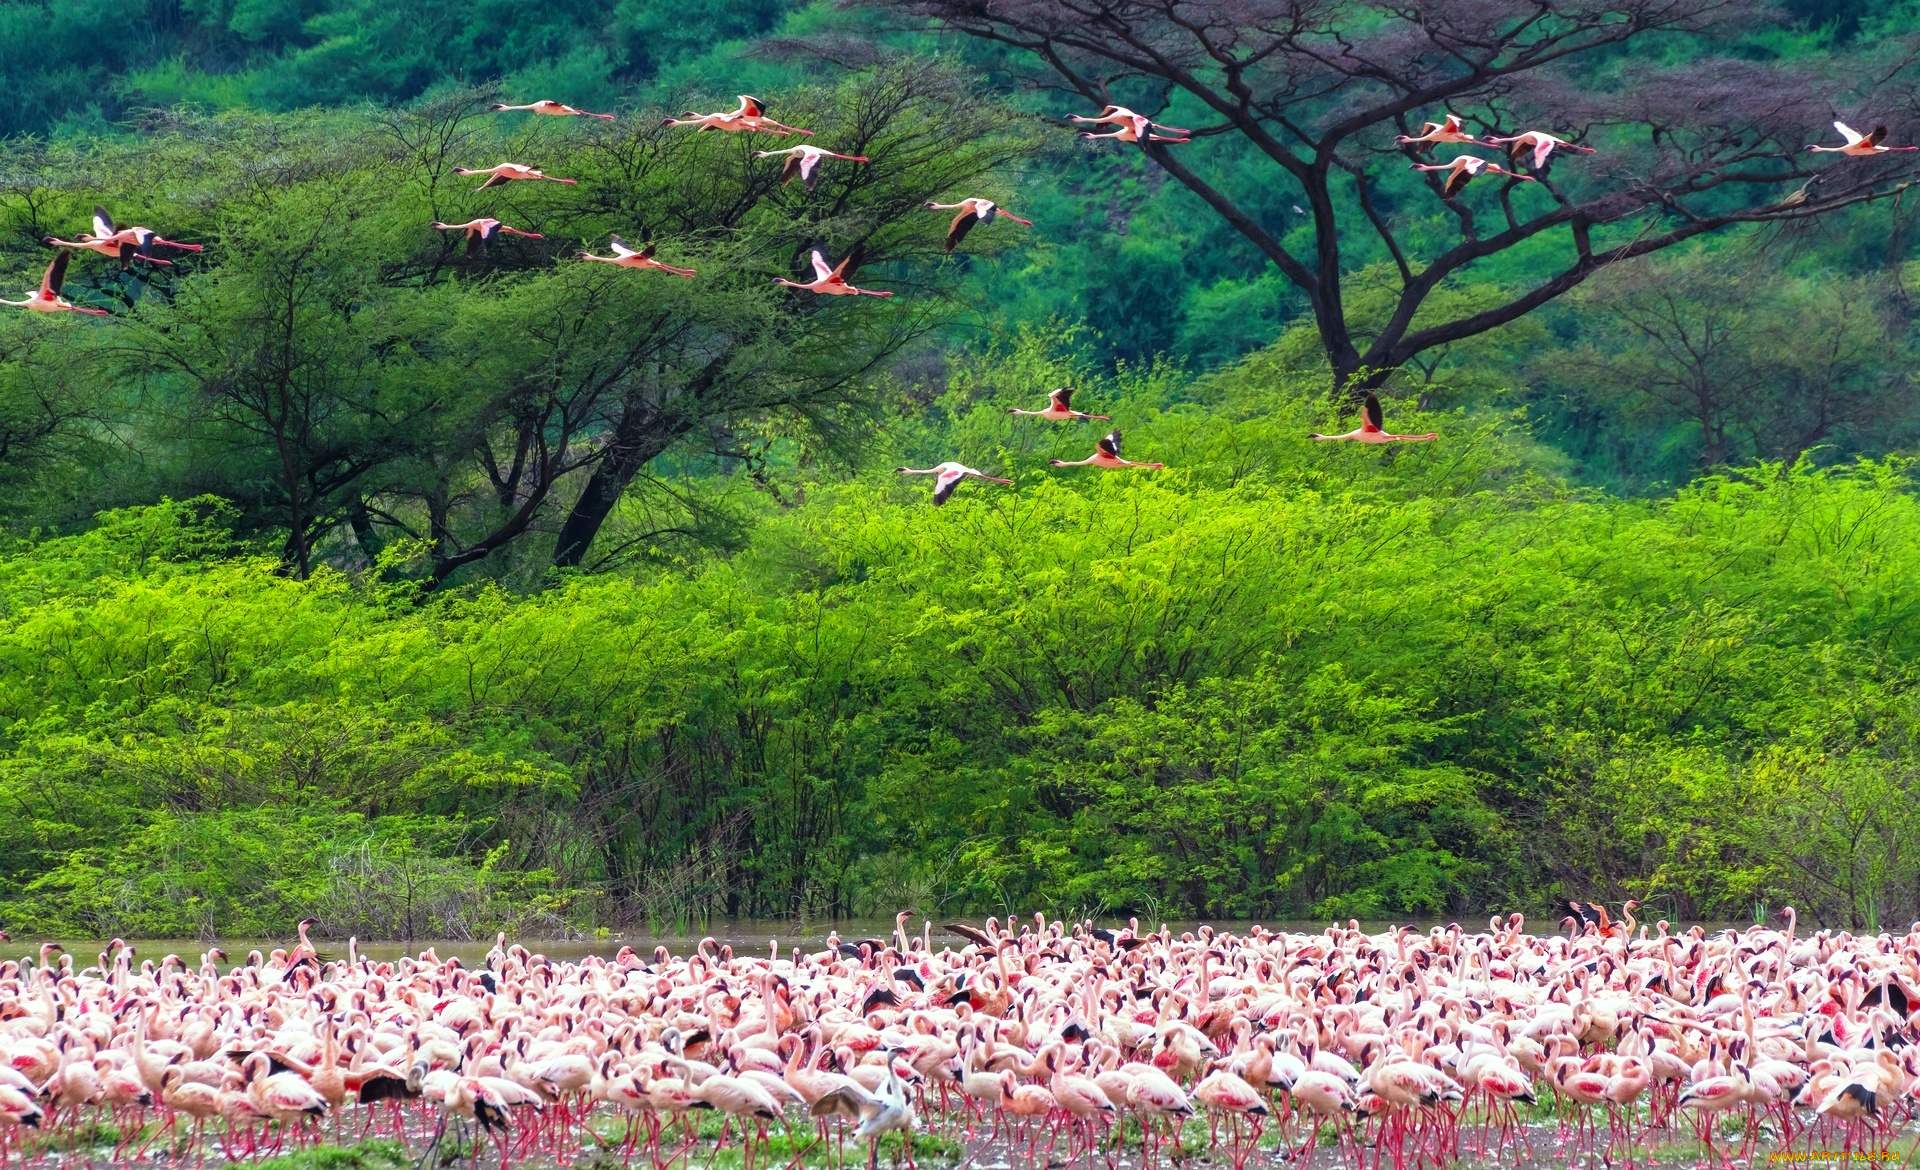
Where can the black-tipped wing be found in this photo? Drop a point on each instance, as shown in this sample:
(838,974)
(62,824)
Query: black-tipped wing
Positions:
(1878,136)
(976,937)
(494,181)
(945,483)
(846,1102)
(1110,444)
(56,274)
(103,225)
(962,224)
(1456,182)
(1372,409)
(789,169)
(879,997)
(1062,399)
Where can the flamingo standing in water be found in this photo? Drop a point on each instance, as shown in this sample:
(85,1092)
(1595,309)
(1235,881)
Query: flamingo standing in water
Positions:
(1106,453)
(627,257)
(751,116)
(1464,169)
(1448,129)
(481,232)
(1371,430)
(832,281)
(1059,408)
(548,106)
(48,298)
(1858,144)
(972,211)
(950,474)
(1132,127)
(804,161)
(1537,143)
(504,173)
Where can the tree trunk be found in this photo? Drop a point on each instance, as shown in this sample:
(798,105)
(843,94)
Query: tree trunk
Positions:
(636,440)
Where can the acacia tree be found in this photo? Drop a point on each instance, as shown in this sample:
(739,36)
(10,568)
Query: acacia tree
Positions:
(1317,91)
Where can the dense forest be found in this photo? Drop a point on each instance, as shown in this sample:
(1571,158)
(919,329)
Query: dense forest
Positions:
(346,569)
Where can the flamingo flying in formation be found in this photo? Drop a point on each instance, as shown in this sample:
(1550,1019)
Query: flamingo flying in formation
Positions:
(1106,453)
(1464,168)
(751,116)
(832,281)
(481,232)
(48,298)
(1537,143)
(627,257)
(972,211)
(803,161)
(1448,129)
(123,243)
(505,173)
(548,106)
(1858,144)
(1132,127)
(1371,430)
(949,476)
(1059,408)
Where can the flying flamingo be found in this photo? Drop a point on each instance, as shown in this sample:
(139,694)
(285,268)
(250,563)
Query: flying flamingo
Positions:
(832,281)
(879,1113)
(1370,429)
(124,243)
(804,161)
(1464,169)
(972,211)
(950,474)
(1448,129)
(548,106)
(506,173)
(48,298)
(121,250)
(1539,143)
(1859,144)
(627,257)
(481,232)
(1132,127)
(1106,453)
(1059,408)
(750,116)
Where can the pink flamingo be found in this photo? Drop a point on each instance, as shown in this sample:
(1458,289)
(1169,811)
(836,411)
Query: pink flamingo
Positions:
(1370,428)
(949,475)
(832,281)
(548,106)
(751,116)
(627,257)
(1538,143)
(1059,408)
(804,161)
(48,298)
(1106,453)
(1132,127)
(972,211)
(504,173)
(1448,129)
(1858,144)
(481,232)
(1463,170)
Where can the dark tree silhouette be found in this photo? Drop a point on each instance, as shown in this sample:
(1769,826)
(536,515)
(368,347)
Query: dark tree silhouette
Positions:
(1321,88)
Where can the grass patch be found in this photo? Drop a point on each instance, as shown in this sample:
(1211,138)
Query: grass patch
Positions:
(372,1154)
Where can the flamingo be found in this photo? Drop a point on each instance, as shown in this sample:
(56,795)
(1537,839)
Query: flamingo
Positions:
(750,117)
(1858,144)
(482,232)
(1538,143)
(880,1113)
(48,298)
(1059,408)
(1106,453)
(504,173)
(143,239)
(124,251)
(1448,129)
(972,211)
(548,106)
(949,476)
(804,161)
(1370,428)
(832,281)
(1132,127)
(626,257)
(1464,168)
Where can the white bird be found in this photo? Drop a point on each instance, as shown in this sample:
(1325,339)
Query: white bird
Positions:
(1464,169)
(832,281)
(1448,129)
(1859,144)
(1538,143)
(880,1113)
(804,161)
(972,211)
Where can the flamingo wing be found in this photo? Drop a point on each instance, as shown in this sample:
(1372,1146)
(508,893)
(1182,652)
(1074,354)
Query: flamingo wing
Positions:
(845,1101)
(849,263)
(55,277)
(1878,136)
(1542,147)
(1847,132)
(102,223)
(750,107)
(1452,123)
(1374,417)
(1457,181)
(810,169)
(948,479)
(1110,444)
(497,179)
(1062,399)
(962,224)
(789,169)
(620,247)
(821,269)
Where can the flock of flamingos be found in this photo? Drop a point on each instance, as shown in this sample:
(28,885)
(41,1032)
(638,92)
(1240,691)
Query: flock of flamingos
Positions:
(1056,1043)
(1531,149)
